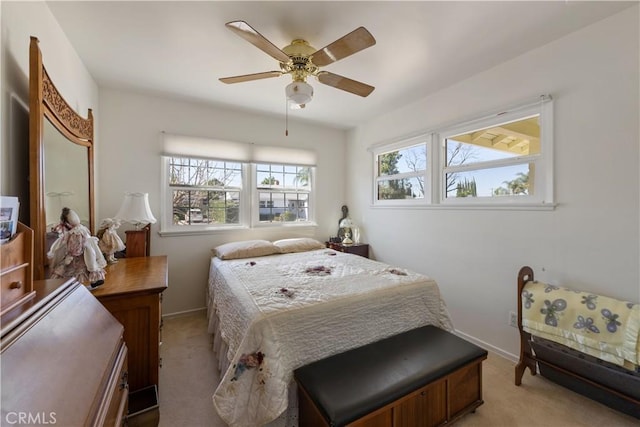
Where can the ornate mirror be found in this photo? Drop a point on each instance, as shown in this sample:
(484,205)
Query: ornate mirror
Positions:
(60,160)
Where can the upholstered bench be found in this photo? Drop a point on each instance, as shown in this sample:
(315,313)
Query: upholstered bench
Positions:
(422,377)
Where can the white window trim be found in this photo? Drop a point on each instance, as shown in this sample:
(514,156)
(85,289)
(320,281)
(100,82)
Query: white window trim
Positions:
(249,205)
(543,161)
(435,192)
(396,146)
(166,200)
(247,154)
(255,202)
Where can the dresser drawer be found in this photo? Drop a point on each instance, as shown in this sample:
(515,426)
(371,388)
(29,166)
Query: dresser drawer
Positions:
(16,269)
(14,284)
(115,405)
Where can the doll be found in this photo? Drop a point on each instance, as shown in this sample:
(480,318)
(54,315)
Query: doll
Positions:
(110,242)
(76,253)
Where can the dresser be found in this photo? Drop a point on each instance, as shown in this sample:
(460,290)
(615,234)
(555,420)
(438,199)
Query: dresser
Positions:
(64,361)
(16,269)
(132,293)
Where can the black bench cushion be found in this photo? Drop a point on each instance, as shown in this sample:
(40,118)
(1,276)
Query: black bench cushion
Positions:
(349,385)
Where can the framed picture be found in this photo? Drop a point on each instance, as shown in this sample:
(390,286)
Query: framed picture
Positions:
(9,207)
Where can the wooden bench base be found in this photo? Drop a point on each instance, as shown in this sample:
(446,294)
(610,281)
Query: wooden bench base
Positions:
(443,401)
(451,369)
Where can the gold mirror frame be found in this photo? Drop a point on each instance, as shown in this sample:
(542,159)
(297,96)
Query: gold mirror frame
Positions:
(46,103)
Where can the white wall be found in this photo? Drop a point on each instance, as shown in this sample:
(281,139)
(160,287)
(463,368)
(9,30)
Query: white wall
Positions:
(130,161)
(20,20)
(589,241)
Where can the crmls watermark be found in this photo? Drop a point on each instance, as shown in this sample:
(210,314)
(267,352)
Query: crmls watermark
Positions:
(40,418)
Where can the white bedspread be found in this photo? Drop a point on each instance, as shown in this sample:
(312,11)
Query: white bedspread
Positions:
(279,312)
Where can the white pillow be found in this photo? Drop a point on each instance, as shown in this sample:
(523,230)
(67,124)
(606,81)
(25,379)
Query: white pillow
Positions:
(301,244)
(245,249)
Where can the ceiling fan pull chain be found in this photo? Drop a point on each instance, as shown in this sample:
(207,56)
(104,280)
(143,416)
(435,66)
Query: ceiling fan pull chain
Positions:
(286,116)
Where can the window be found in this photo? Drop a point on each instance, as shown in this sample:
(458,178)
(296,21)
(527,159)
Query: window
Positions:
(212,185)
(283,193)
(204,192)
(401,172)
(504,159)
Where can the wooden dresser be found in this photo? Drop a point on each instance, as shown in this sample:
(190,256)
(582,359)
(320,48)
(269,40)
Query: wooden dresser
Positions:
(16,269)
(132,292)
(64,361)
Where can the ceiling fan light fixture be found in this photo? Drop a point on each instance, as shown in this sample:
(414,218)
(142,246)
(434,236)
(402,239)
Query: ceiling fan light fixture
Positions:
(299,92)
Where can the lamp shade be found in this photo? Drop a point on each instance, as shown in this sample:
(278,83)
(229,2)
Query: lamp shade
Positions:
(299,92)
(135,209)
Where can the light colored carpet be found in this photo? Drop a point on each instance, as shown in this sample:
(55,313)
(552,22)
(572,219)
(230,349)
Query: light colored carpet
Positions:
(188,378)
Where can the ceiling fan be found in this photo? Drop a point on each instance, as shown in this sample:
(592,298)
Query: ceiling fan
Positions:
(301,60)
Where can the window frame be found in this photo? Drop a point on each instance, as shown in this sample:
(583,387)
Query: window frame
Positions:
(249,201)
(255,198)
(435,174)
(426,175)
(166,223)
(543,178)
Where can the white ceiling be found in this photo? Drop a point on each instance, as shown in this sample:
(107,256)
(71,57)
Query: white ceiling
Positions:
(180,48)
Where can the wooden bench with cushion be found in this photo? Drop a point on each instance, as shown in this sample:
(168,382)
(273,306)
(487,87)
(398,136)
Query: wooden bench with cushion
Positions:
(422,377)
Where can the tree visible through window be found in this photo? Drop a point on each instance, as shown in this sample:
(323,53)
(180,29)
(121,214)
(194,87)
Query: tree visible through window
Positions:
(502,159)
(401,173)
(205,191)
(214,185)
(496,161)
(519,185)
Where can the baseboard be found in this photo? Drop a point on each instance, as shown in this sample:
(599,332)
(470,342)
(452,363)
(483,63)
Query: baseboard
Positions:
(488,347)
(181,313)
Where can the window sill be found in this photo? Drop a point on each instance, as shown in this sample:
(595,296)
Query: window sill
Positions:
(477,206)
(284,224)
(195,230)
(204,230)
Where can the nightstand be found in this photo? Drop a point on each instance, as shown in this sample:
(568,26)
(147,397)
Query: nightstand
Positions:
(361,249)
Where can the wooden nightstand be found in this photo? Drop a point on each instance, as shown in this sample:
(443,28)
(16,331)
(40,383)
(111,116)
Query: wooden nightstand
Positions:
(361,249)
(132,292)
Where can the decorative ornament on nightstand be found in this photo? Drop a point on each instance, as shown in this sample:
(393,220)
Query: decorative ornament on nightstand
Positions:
(347,225)
(135,210)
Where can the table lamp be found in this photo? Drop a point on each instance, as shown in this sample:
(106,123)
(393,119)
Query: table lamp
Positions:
(135,210)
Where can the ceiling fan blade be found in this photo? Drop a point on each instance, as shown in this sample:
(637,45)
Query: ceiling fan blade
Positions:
(245,31)
(344,83)
(249,77)
(353,42)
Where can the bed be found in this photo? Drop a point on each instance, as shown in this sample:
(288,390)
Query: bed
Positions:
(271,312)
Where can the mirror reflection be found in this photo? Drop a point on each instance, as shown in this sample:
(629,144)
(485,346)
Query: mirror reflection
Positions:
(66,181)
(66,172)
